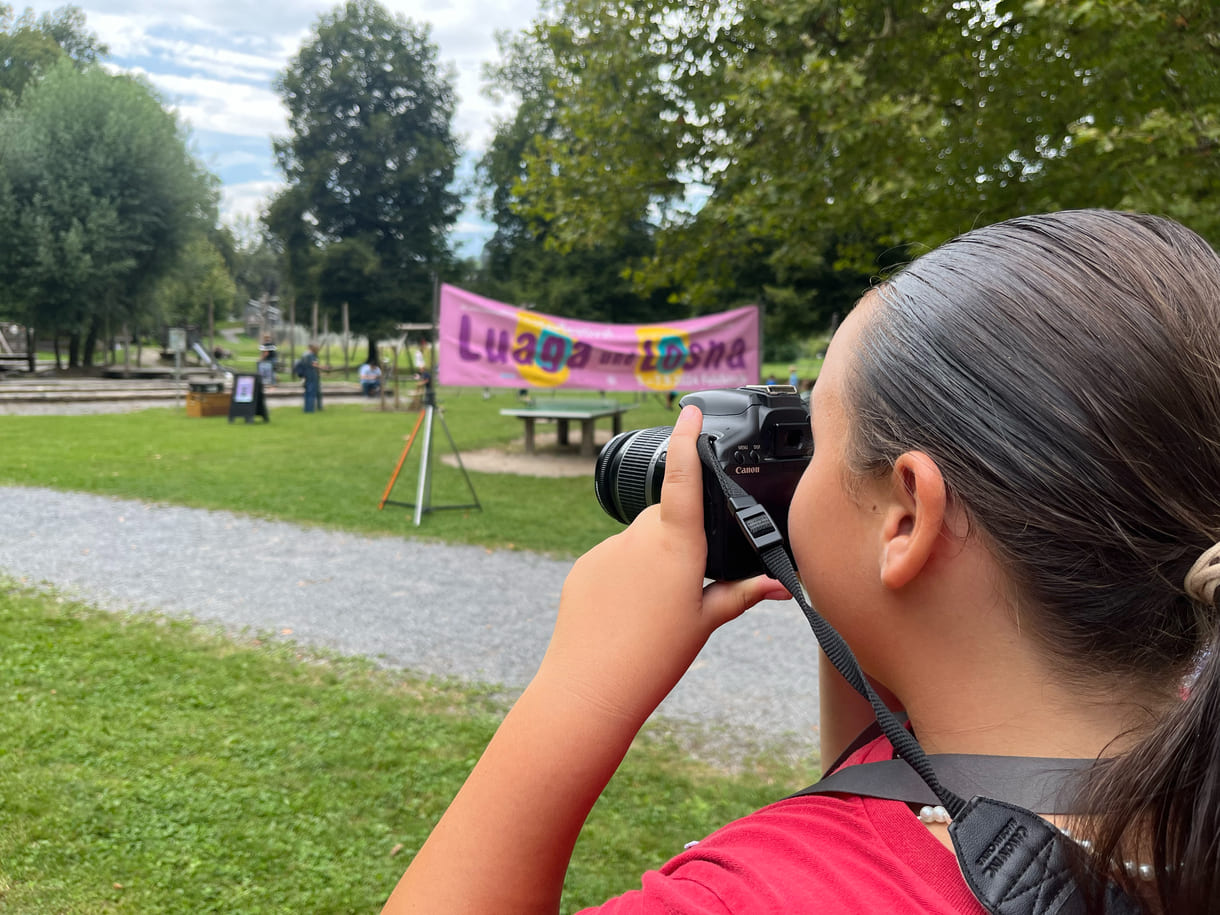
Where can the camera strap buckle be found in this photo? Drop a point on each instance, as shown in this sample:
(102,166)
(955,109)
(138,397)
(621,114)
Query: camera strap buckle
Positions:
(755,522)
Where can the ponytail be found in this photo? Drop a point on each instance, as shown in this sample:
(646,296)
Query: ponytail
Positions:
(1158,805)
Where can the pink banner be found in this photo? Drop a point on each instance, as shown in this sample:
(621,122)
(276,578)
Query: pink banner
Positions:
(484,343)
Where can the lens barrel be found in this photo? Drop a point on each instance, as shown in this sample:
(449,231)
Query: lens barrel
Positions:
(629,471)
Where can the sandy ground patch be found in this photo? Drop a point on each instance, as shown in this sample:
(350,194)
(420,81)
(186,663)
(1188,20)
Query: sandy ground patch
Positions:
(549,459)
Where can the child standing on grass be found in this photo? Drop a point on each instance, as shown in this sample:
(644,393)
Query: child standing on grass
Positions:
(1012,515)
(308,369)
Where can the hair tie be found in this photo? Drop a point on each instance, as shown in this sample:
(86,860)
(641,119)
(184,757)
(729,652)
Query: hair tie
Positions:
(1204,576)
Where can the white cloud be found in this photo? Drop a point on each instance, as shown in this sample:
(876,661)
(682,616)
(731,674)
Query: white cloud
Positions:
(223,107)
(247,199)
(236,158)
(217,62)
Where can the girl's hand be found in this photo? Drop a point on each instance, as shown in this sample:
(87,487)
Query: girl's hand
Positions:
(634,612)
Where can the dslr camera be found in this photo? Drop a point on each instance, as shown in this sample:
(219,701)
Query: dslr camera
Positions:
(759,435)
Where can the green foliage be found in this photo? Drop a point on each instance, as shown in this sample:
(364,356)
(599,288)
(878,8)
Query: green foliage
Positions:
(256,265)
(523,263)
(614,147)
(29,47)
(101,196)
(197,285)
(368,165)
(24,53)
(150,766)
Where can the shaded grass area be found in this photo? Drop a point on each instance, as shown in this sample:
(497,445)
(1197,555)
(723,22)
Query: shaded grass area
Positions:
(147,765)
(330,468)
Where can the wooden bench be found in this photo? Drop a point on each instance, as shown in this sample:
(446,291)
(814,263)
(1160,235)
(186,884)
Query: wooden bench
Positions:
(563,412)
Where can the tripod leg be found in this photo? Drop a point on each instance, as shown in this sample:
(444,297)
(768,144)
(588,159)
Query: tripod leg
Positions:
(423,494)
(462,467)
(401,460)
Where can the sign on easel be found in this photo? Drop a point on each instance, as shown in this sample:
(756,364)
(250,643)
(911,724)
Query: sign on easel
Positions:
(248,399)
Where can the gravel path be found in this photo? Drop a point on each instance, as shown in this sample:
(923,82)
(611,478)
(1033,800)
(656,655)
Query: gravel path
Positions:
(453,611)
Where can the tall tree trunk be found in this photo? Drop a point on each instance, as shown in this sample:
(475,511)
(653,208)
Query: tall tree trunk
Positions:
(90,346)
(74,349)
(30,343)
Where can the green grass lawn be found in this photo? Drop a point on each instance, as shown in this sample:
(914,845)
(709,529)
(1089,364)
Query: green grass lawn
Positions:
(329,468)
(148,766)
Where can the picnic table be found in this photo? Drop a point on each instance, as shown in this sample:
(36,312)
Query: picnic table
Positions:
(564,411)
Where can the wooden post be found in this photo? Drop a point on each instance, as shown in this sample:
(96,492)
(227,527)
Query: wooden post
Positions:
(381,391)
(313,326)
(292,332)
(326,336)
(396,375)
(212,326)
(346,329)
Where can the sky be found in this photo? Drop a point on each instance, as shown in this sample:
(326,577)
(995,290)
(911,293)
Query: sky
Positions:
(214,62)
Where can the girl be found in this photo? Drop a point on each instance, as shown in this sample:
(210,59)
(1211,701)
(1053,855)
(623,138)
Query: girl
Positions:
(1011,515)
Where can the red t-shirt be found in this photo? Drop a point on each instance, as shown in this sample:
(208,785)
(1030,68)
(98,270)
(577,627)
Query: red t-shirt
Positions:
(824,854)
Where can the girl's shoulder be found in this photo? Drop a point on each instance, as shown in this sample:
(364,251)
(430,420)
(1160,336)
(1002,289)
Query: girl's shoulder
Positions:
(822,853)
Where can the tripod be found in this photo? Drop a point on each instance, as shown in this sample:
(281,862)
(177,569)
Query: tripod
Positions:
(423,492)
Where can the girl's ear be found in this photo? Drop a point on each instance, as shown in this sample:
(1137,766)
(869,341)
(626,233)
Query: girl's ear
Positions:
(913,520)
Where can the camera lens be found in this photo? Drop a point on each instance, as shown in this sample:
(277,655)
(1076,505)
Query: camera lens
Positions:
(629,472)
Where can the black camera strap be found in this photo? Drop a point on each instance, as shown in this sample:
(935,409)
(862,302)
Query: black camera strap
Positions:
(1015,862)
(1036,783)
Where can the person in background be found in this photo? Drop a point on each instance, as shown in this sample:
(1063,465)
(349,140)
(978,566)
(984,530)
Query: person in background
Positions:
(370,379)
(266,365)
(793,378)
(268,346)
(307,368)
(421,359)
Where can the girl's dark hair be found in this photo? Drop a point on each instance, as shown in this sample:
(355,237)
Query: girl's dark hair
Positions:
(1063,371)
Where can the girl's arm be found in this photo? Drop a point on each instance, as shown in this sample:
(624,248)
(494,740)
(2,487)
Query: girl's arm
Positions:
(632,617)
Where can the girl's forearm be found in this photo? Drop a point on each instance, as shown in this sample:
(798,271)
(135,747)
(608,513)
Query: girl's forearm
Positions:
(504,843)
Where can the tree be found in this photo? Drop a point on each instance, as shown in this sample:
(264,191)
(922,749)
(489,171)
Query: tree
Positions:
(522,264)
(29,47)
(102,196)
(198,282)
(618,140)
(365,216)
(255,264)
(774,143)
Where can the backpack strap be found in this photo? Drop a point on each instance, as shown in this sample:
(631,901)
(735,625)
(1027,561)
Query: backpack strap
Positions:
(1035,783)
